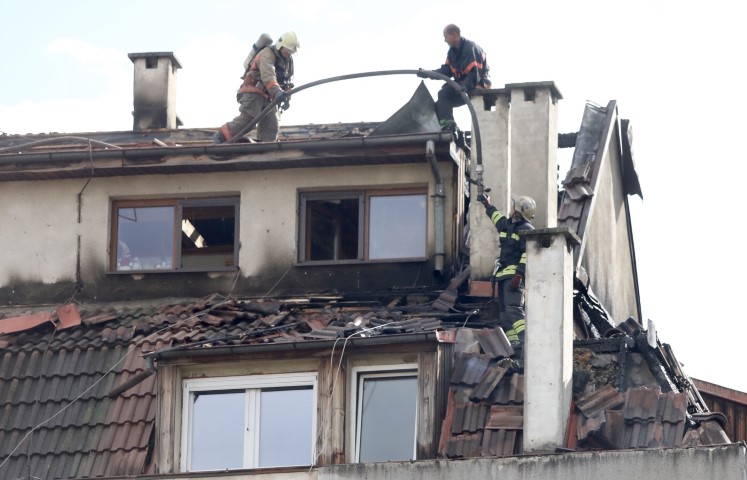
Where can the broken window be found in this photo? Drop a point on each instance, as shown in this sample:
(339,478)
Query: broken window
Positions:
(174,234)
(248,422)
(363,225)
(386,414)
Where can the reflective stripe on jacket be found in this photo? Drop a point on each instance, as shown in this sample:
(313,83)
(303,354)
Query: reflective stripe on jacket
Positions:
(468,65)
(513,256)
(269,73)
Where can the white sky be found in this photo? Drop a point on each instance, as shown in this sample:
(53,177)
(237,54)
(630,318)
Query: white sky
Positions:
(676,70)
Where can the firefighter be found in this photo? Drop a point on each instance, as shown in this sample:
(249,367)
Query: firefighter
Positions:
(268,78)
(511,264)
(467,64)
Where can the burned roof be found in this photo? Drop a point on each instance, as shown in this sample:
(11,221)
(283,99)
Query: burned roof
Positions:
(78,389)
(43,157)
(399,139)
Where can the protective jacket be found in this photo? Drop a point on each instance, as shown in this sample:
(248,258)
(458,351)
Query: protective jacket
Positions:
(468,65)
(513,257)
(268,73)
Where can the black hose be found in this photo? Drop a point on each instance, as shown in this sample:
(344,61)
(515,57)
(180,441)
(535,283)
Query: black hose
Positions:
(420,73)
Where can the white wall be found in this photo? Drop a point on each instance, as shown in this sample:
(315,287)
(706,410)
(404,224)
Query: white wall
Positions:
(725,462)
(40,218)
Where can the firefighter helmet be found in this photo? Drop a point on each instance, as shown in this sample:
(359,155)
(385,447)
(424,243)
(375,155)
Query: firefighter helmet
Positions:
(525,206)
(289,41)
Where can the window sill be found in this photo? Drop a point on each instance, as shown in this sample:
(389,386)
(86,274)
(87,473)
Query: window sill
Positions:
(256,471)
(149,272)
(326,263)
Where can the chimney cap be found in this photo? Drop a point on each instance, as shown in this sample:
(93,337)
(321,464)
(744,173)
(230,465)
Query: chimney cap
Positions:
(170,55)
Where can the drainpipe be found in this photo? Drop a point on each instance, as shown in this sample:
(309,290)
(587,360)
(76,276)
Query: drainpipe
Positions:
(438,205)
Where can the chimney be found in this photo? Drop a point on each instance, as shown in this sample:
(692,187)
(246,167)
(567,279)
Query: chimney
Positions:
(519,140)
(155,91)
(548,347)
(534,147)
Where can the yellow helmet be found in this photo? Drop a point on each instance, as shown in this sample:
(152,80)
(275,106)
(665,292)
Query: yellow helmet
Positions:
(289,41)
(525,206)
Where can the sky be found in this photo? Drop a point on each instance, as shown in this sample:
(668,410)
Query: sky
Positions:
(669,65)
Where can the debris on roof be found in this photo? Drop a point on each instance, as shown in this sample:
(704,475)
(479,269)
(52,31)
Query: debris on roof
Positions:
(89,389)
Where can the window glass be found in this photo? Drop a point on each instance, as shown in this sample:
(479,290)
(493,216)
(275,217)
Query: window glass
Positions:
(208,236)
(339,226)
(218,430)
(397,226)
(198,234)
(285,427)
(387,409)
(332,227)
(248,422)
(145,239)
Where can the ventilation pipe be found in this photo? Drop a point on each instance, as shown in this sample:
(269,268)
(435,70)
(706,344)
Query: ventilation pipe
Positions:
(438,205)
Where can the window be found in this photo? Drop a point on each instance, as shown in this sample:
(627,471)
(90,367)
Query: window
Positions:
(248,422)
(169,234)
(363,225)
(385,413)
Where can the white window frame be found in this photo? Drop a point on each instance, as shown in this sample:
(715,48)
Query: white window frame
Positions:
(358,374)
(253,384)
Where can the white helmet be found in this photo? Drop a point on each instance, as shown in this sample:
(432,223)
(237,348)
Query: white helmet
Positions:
(289,41)
(525,206)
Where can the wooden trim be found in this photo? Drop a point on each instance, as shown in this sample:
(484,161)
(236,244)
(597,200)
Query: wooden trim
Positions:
(178,204)
(427,419)
(720,392)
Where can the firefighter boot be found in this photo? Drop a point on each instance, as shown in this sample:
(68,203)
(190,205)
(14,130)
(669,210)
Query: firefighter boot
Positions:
(218,137)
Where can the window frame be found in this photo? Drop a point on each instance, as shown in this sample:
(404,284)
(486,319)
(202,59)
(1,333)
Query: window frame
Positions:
(357,376)
(178,204)
(253,384)
(364,216)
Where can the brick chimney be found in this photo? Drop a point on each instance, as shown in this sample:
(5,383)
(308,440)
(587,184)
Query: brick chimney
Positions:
(155,91)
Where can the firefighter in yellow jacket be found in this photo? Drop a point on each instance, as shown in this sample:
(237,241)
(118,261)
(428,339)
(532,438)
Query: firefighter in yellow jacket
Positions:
(512,262)
(268,78)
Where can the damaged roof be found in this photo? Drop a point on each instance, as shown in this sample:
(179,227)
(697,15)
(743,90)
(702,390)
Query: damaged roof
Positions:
(399,139)
(79,395)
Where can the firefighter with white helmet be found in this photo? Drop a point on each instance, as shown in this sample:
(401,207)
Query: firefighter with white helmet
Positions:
(267,78)
(511,264)
(288,40)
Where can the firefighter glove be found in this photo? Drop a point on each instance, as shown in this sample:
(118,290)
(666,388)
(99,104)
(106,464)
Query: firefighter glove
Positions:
(280,96)
(285,104)
(516,282)
(484,199)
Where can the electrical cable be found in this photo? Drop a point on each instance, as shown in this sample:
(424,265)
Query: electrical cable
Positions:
(334,381)
(130,352)
(25,146)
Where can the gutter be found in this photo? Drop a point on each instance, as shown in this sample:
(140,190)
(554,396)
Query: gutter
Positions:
(185,352)
(438,205)
(226,150)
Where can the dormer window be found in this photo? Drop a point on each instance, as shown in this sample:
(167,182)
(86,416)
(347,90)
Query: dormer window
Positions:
(252,421)
(385,400)
(370,225)
(198,234)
